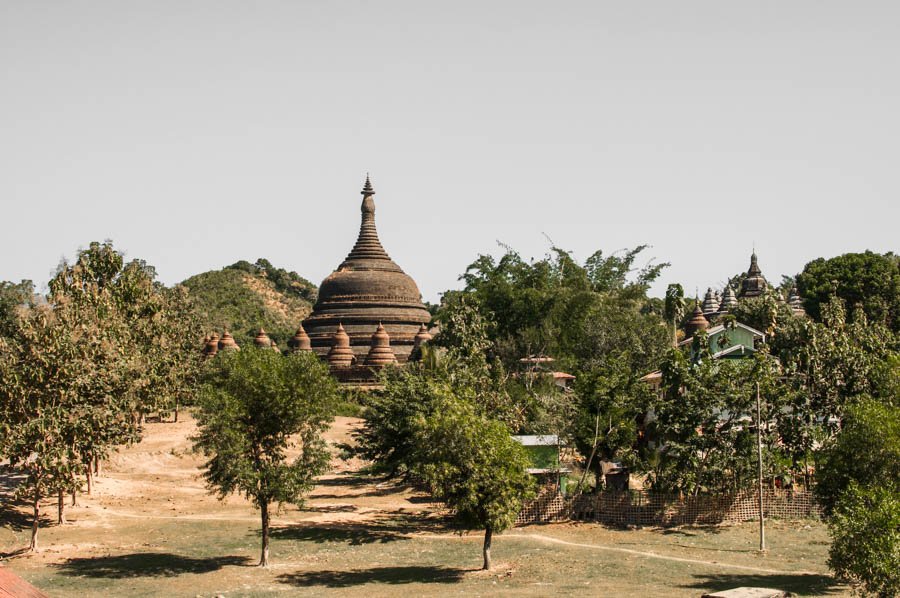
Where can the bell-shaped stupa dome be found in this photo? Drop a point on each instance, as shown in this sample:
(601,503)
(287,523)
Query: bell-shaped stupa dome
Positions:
(262,340)
(300,341)
(212,345)
(380,352)
(697,322)
(227,342)
(340,354)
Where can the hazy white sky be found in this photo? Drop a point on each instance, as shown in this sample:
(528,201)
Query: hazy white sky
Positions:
(194,134)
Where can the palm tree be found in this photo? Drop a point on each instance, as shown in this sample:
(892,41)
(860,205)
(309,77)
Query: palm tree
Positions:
(674,308)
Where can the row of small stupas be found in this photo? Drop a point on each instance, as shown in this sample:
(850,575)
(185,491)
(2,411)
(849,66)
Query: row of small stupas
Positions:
(715,305)
(339,355)
(369,312)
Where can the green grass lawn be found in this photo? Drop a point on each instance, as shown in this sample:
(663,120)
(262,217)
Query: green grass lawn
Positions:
(393,557)
(151,528)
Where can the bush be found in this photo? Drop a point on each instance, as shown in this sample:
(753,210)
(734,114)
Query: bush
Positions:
(865,529)
(866,452)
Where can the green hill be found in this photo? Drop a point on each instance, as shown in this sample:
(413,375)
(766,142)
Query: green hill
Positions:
(244,297)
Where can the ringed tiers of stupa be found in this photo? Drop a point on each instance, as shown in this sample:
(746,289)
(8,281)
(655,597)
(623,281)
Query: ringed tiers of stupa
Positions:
(366,294)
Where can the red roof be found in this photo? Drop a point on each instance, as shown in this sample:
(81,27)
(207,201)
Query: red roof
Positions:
(13,586)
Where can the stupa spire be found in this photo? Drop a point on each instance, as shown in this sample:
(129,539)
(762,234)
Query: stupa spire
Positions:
(367,247)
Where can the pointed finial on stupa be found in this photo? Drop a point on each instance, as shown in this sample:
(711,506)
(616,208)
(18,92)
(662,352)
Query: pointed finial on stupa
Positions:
(367,188)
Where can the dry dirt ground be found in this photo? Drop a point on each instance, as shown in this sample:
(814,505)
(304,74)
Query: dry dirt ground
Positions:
(151,528)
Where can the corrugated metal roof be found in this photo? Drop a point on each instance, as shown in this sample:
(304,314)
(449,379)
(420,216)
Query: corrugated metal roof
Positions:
(538,440)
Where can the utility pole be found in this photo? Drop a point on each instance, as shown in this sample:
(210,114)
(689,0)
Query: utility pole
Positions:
(762,518)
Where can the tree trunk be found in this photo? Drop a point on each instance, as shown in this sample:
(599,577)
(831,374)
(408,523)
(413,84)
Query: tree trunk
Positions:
(264,513)
(61,507)
(74,497)
(36,522)
(97,467)
(488,533)
(90,478)
(176,412)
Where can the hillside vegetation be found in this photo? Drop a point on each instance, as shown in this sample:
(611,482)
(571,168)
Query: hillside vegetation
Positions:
(245,296)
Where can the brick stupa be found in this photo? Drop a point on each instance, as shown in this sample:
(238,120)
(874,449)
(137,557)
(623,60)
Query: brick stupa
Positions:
(366,291)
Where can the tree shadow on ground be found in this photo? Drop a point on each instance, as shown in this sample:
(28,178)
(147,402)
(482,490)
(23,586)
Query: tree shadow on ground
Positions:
(799,583)
(11,515)
(354,479)
(146,564)
(388,575)
(692,530)
(382,530)
(330,509)
(16,519)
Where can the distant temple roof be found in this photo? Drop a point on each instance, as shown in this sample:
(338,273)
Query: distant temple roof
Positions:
(697,322)
(729,300)
(710,303)
(754,283)
(796,302)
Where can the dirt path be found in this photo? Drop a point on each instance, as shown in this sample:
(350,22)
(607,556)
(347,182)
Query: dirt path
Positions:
(654,555)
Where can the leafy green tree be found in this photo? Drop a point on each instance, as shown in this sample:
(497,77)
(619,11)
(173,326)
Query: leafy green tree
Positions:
(156,328)
(256,408)
(865,530)
(610,402)
(858,486)
(473,464)
(866,452)
(55,369)
(594,318)
(704,423)
(867,279)
(13,296)
(674,308)
(387,438)
(414,392)
(840,362)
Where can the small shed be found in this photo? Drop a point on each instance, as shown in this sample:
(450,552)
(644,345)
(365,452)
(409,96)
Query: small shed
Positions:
(543,451)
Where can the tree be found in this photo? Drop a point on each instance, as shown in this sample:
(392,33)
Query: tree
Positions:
(841,362)
(60,376)
(703,421)
(865,452)
(256,406)
(156,328)
(867,279)
(594,319)
(387,437)
(858,485)
(674,308)
(13,296)
(865,530)
(473,464)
